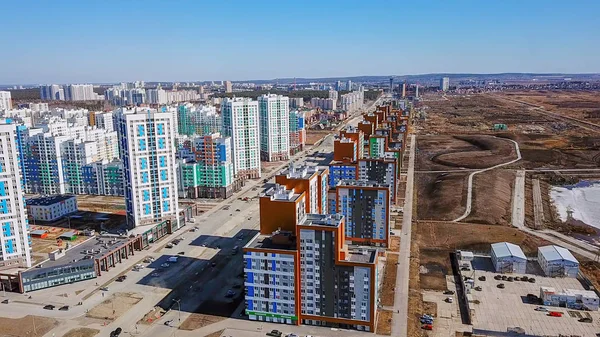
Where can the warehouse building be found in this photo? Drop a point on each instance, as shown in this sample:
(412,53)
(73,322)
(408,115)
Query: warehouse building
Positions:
(508,258)
(557,262)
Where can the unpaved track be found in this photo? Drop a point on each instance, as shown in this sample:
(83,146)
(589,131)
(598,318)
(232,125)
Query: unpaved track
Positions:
(470,182)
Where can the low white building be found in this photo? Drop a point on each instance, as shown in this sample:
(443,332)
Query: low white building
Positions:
(557,262)
(570,298)
(508,258)
(51,208)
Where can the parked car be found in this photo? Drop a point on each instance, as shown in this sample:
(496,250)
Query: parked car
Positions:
(213,264)
(531,280)
(168,323)
(426,321)
(64,308)
(116,333)
(274,333)
(121,278)
(449,299)
(181,253)
(169,245)
(230,293)
(165,265)
(482,278)
(544,309)
(586,320)
(49,307)
(291,335)
(555,314)
(427,327)
(6,301)
(501,285)
(478,288)
(449,292)
(104,288)
(498,277)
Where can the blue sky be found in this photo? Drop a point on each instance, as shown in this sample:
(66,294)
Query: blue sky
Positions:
(106,41)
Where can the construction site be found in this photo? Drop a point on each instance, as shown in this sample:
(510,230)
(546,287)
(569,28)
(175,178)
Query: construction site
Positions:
(502,167)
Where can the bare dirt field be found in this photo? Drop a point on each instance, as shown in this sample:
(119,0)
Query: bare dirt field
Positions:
(438,239)
(197,321)
(82,332)
(115,306)
(492,193)
(384,322)
(26,326)
(313,136)
(441,196)
(389,280)
(583,105)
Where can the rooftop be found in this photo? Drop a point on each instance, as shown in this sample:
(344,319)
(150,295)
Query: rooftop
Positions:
(361,183)
(554,253)
(361,255)
(301,172)
(331,220)
(279,240)
(95,247)
(507,249)
(280,193)
(49,200)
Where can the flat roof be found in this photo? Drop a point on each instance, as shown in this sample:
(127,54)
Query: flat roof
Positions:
(557,253)
(283,240)
(68,234)
(95,246)
(360,183)
(39,232)
(48,200)
(280,193)
(361,255)
(507,249)
(331,220)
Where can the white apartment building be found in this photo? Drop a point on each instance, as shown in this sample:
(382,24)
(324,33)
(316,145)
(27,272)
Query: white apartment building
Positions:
(352,101)
(156,96)
(241,123)
(323,103)
(16,245)
(81,92)
(444,83)
(274,112)
(5,100)
(104,121)
(52,92)
(148,155)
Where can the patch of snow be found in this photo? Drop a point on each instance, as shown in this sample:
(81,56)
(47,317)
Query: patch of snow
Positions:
(582,199)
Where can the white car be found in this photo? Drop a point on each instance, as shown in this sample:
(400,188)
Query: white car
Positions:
(165,265)
(541,309)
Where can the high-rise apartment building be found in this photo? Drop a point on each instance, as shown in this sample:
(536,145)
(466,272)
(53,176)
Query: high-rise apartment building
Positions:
(380,170)
(296,102)
(103,178)
(75,154)
(16,241)
(52,92)
(149,166)
(104,121)
(80,92)
(311,180)
(281,208)
(5,100)
(43,164)
(228,87)
(208,171)
(198,120)
(241,123)
(338,286)
(308,275)
(297,131)
(333,94)
(274,115)
(366,208)
(444,83)
(324,103)
(349,85)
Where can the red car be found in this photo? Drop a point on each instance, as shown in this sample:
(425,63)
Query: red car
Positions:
(555,314)
(427,327)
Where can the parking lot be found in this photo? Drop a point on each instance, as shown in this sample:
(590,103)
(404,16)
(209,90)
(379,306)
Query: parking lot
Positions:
(496,309)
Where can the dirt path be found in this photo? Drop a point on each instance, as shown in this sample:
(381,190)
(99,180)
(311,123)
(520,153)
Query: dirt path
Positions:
(470,182)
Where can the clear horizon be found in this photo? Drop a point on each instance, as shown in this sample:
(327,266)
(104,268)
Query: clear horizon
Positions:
(114,41)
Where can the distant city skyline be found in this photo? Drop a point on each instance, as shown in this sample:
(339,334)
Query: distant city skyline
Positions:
(238,40)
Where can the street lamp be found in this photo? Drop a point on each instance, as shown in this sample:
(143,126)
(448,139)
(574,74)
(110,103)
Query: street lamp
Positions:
(178,307)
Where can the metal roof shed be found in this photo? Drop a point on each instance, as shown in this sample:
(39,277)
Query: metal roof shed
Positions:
(557,262)
(508,258)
